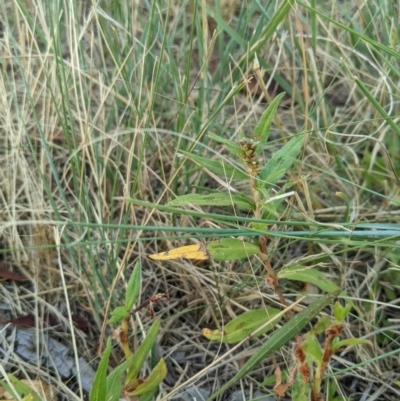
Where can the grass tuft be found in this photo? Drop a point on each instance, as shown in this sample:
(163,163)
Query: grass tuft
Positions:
(100,107)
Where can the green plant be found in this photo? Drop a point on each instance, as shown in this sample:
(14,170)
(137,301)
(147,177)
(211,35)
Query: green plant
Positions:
(312,359)
(264,206)
(125,379)
(98,100)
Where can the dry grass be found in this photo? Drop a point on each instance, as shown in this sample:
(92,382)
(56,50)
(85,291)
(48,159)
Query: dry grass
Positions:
(96,103)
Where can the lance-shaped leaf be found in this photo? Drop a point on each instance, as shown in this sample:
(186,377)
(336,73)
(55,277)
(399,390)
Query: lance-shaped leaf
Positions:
(279,338)
(133,288)
(308,275)
(312,276)
(99,388)
(148,396)
(313,349)
(263,128)
(157,375)
(196,252)
(340,312)
(233,148)
(223,169)
(119,313)
(245,324)
(231,249)
(115,380)
(281,161)
(144,349)
(349,342)
(218,199)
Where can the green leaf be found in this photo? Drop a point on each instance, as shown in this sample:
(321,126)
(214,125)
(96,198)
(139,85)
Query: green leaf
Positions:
(133,288)
(245,324)
(231,249)
(349,342)
(233,148)
(251,320)
(259,226)
(324,322)
(308,275)
(19,389)
(119,313)
(142,352)
(157,375)
(301,391)
(313,349)
(216,199)
(340,312)
(263,128)
(312,276)
(99,388)
(279,338)
(218,167)
(281,161)
(148,396)
(270,211)
(115,380)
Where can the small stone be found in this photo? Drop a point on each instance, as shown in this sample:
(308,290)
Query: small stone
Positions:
(191,393)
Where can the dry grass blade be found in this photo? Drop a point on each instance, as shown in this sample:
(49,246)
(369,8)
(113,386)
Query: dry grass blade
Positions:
(106,109)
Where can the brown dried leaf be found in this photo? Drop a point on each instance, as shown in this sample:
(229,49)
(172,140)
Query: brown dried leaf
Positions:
(10,275)
(49,320)
(21,321)
(281,389)
(79,322)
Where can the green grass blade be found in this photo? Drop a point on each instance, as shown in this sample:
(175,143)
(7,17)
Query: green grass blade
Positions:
(372,42)
(218,199)
(377,105)
(223,169)
(269,30)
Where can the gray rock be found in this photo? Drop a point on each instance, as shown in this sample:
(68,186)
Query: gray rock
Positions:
(191,393)
(257,396)
(52,354)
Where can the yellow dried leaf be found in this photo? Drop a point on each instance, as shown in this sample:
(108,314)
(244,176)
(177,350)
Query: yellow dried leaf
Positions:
(197,252)
(215,335)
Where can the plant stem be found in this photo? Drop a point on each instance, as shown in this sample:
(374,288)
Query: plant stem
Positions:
(271,279)
(124,335)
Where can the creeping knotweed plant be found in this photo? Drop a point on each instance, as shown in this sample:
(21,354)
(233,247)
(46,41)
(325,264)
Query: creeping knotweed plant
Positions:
(262,179)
